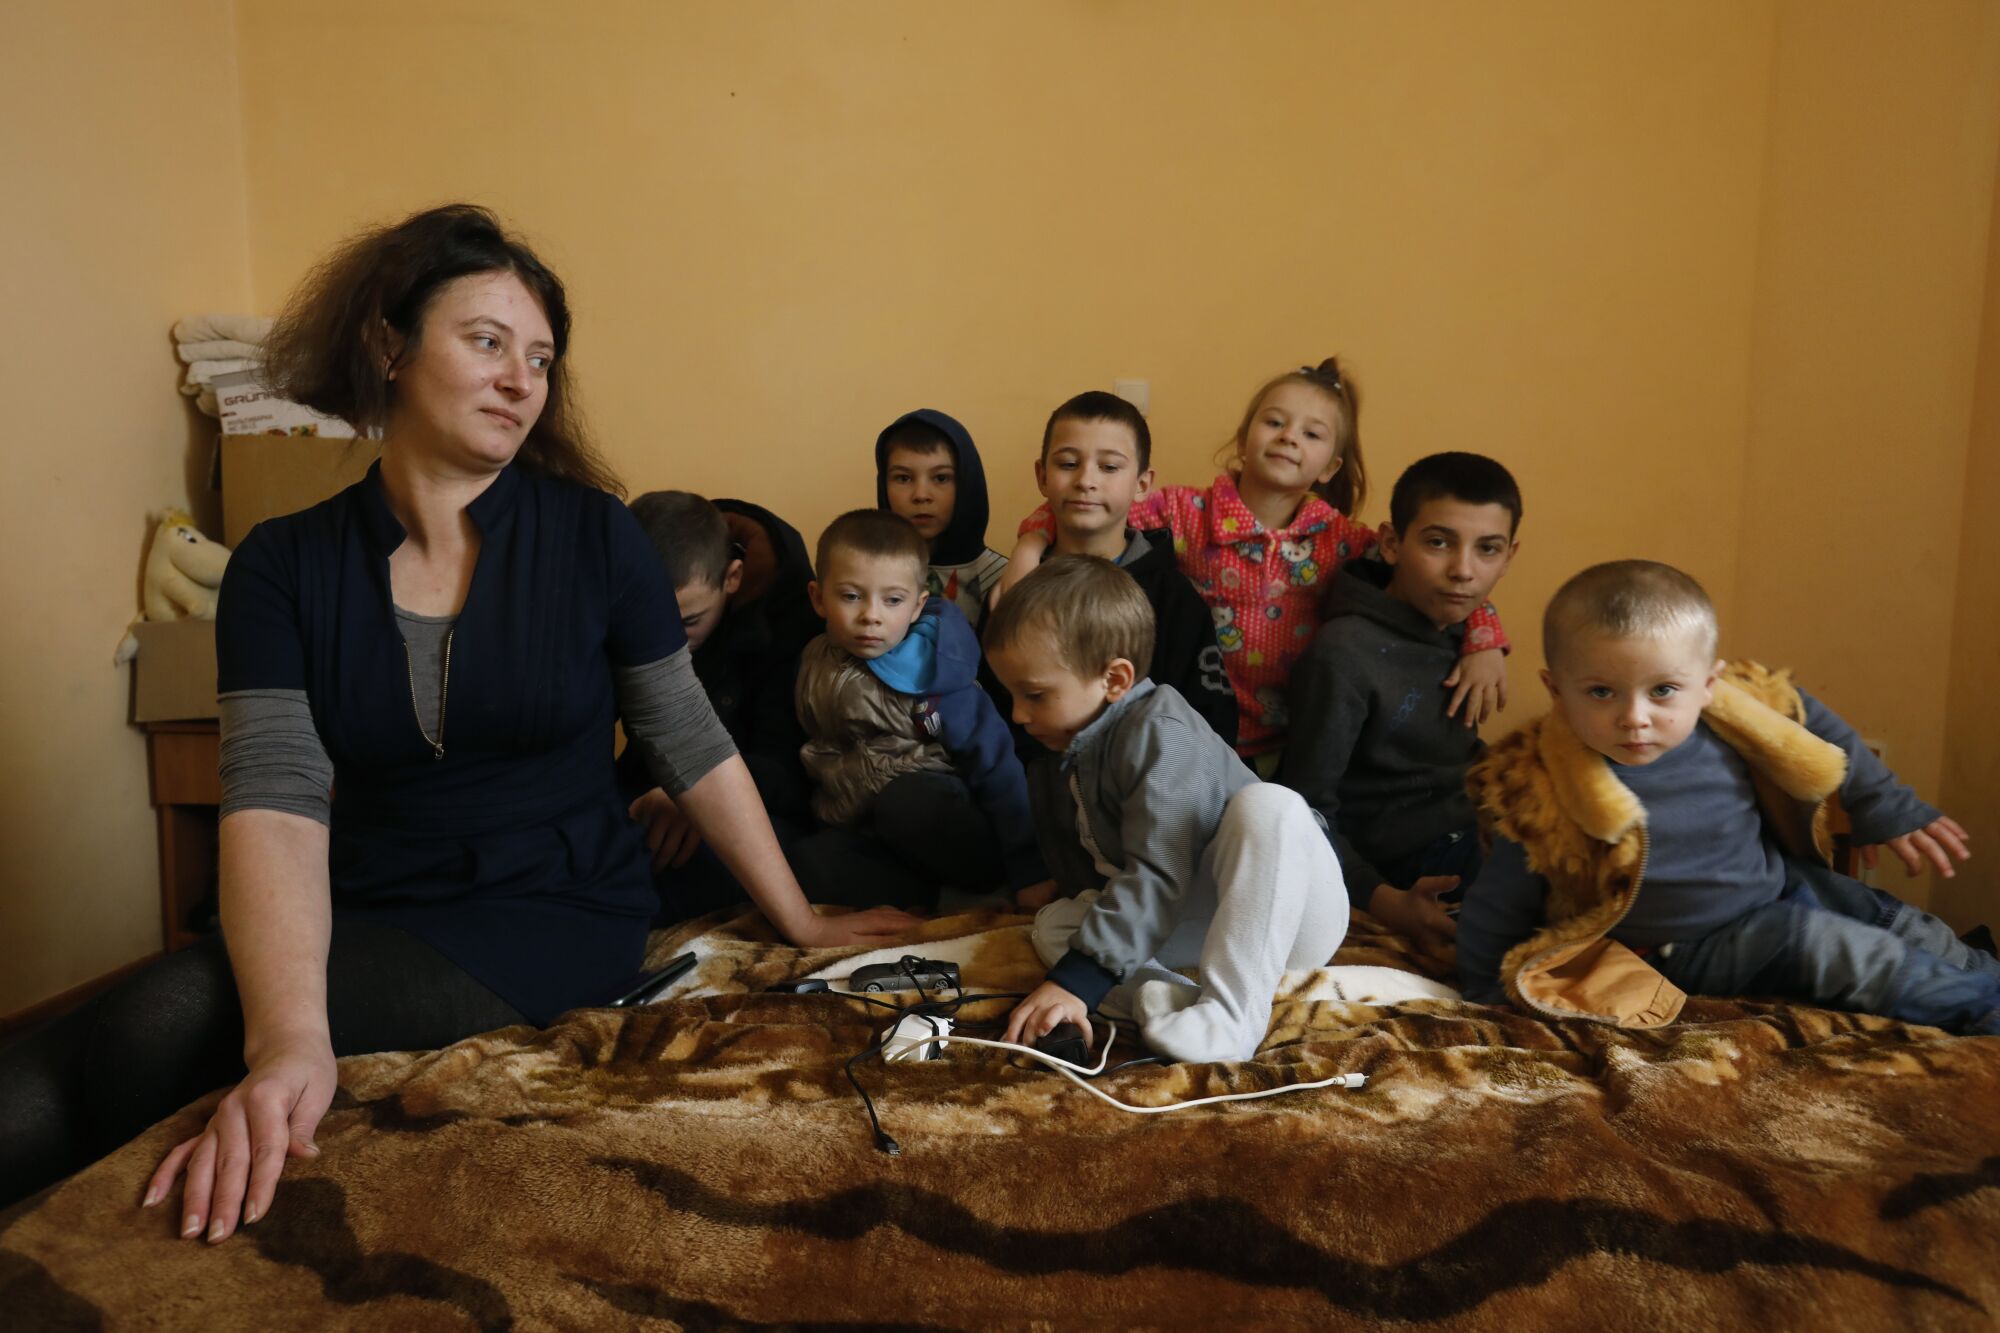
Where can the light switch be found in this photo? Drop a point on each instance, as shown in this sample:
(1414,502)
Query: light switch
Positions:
(1136,392)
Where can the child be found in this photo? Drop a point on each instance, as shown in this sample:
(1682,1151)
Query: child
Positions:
(740,575)
(1097,459)
(1260,542)
(911,765)
(1191,855)
(1663,831)
(927,471)
(1375,751)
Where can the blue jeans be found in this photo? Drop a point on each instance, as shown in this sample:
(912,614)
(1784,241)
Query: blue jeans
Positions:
(1833,940)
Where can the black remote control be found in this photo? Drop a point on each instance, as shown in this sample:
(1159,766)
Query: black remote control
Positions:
(653,983)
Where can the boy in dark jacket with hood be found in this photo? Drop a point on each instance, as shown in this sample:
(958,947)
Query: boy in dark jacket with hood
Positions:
(740,574)
(1097,458)
(928,472)
(913,770)
(1373,749)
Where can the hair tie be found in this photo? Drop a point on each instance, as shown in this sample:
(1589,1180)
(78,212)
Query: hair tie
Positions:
(1331,379)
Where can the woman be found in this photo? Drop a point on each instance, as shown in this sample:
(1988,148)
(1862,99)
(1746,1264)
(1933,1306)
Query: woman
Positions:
(445,645)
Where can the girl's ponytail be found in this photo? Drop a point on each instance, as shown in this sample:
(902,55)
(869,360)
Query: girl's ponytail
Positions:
(1349,486)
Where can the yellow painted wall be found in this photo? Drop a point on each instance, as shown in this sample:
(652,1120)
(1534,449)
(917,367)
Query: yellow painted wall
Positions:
(1870,283)
(1666,260)
(121,209)
(1529,226)
(1971,784)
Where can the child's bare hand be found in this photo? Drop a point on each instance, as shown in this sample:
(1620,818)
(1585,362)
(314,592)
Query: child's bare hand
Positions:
(1416,914)
(1036,896)
(1936,842)
(1027,557)
(1046,1006)
(1479,682)
(670,835)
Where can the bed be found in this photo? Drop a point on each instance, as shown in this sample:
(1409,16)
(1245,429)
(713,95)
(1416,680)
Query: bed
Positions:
(703,1162)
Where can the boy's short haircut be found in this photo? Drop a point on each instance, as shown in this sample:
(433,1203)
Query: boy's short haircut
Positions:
(690,534)
(1097,405)
(873,532)
(1472,479)
(919,437)
(1628,599)
(1092,609)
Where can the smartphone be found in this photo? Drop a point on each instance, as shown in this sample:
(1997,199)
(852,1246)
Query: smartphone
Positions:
(653,983)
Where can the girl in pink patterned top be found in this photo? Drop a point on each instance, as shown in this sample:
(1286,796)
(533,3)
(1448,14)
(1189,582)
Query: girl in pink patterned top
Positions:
(1265,538)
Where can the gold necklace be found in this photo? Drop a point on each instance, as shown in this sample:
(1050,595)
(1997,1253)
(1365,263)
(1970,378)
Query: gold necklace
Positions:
(444,684)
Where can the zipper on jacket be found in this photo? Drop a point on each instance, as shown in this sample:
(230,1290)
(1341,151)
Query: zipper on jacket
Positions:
(1645,855)
(1083,833)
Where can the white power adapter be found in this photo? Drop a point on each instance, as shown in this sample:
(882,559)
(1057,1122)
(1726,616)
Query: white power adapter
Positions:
(915,1037)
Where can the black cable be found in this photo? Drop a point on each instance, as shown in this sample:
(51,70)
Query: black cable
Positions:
(882,1139)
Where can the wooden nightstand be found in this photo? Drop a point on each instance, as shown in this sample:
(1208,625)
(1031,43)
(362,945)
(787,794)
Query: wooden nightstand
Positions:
(183,771)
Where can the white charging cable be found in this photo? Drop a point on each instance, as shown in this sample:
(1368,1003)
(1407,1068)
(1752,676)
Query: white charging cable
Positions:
(923,1042)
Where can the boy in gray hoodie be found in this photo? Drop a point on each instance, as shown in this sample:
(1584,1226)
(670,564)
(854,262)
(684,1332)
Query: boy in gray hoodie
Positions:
(1373,750)
(1184,855)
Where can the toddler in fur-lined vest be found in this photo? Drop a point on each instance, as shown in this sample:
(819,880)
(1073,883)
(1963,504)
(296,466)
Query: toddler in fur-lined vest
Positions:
(912,769)
(1664,832)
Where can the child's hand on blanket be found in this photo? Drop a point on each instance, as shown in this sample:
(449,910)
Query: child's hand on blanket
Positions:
(1416,914)
(1930,843)
(1046,1006)
(1036,896)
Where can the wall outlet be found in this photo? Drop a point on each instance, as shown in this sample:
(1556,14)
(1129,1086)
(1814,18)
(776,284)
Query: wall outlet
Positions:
(1136,392)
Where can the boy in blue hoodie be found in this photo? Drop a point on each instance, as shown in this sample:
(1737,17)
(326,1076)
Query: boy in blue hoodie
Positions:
(913,771)
(927,471)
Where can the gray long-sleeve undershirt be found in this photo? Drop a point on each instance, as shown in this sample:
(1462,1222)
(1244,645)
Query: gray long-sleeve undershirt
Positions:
(273,757)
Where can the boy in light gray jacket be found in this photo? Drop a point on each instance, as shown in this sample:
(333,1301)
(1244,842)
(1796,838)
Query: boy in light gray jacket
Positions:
(1190,857)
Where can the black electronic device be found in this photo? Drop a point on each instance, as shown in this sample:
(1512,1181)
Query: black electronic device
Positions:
(653,983)
(1065,1042)
(809,986)
(917,974)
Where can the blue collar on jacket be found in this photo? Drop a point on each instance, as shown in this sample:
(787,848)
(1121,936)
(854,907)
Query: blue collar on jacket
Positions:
(939,656)
(911,666)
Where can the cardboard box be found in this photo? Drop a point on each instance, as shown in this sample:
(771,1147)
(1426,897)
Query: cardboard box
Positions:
(173,678)
(248,408)
(264,476)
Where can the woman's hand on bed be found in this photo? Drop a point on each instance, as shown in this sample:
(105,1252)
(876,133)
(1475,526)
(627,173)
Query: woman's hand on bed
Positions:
(232,1166)
(870,927)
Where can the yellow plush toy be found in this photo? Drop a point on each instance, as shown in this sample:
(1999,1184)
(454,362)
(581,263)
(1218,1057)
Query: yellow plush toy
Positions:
(183,574)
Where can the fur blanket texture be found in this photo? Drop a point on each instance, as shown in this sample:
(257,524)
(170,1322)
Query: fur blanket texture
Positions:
(703,1163)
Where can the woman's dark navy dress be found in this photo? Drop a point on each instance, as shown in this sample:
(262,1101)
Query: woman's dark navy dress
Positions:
(512,855)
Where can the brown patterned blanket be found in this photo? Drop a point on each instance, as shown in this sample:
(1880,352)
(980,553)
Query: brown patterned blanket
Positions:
(703,1163)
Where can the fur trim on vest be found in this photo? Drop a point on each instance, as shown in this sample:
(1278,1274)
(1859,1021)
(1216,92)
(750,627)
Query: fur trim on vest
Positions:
(862,735)
(1584,832)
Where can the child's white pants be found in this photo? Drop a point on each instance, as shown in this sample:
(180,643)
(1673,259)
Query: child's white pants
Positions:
(1268,896)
